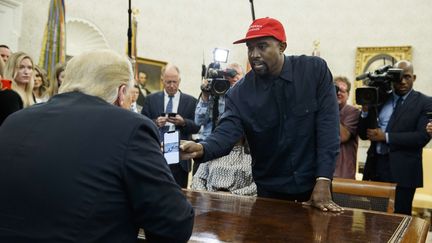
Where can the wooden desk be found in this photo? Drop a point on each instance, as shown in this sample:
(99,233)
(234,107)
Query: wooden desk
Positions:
(223,217)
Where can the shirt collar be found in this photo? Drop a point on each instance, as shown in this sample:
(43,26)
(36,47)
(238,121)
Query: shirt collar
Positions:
(396,97)
(176,95)
(286,74)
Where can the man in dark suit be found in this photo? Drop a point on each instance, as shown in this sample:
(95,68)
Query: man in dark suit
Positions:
(157,107)
(80,169)
(395,154)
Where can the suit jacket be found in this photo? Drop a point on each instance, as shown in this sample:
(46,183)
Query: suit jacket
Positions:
(154,106)
(407,135)
(142,95)
(78,169)
(10,101)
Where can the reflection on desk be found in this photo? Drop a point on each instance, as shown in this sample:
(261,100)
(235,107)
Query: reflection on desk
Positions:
(221,217)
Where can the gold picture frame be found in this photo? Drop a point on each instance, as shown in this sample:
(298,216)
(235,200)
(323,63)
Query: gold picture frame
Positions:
(153,70)
(369,59)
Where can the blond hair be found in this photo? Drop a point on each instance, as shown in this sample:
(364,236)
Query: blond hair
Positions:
(44,88)
(11,72)
(98,73)
(2,66)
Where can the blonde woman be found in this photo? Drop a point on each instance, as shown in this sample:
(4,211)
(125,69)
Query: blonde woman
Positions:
(19,68)
(41,85)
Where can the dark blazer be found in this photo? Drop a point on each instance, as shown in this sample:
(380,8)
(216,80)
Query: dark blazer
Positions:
(154,106)
(407,136)
(10,101)
(77,169)
(141,97)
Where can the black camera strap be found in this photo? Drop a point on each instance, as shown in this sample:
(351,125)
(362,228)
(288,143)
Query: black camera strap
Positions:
(215,111)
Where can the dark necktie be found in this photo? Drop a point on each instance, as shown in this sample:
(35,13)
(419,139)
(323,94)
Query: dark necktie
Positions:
(398,104)
(169,109)
(169,106)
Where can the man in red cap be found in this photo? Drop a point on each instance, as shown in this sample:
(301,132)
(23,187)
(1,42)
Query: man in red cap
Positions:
(287,108)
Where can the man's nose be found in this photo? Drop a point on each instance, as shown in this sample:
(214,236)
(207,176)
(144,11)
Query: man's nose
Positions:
(254,53)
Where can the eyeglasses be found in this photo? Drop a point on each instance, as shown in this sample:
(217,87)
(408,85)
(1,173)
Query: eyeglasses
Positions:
(343,91)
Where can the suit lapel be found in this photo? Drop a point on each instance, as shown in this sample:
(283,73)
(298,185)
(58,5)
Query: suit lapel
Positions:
(404,109)
(160,105)
(180,107)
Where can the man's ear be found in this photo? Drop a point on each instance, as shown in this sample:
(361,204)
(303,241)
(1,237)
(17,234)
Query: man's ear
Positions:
(121,95)
(282,46)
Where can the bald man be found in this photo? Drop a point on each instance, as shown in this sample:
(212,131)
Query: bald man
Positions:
(395,154)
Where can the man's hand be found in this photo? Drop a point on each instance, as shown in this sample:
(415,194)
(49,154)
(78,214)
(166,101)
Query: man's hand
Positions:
(376,135)
(161,121)
(321,197)
(190,150)
(204,94)
(429,128)
(176,120)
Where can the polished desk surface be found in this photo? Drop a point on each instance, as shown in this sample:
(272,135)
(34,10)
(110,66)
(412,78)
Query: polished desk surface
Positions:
(221,217)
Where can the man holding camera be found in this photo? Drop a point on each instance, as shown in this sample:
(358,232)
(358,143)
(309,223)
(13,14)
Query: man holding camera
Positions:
(395,154)
(172,109)
(204,109)
(287,108)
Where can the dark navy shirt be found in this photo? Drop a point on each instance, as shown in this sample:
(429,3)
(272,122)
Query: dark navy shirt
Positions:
(291,123)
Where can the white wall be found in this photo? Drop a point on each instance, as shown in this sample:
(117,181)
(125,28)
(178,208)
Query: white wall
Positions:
(180,31)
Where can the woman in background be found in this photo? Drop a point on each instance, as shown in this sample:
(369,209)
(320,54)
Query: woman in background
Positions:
(10,101)
(57,80)
(41,85)
(19,69)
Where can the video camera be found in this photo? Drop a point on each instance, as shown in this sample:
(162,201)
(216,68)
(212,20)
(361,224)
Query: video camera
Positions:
(217,84)
(378,85)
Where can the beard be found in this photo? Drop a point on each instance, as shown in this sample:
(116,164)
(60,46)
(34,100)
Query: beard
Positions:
(260,68)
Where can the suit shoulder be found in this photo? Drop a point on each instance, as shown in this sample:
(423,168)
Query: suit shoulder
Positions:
(154,95)
(305,60)
(190,97)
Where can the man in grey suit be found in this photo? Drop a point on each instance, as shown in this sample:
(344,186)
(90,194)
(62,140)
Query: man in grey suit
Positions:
(81,169)
(172,109)
(395,154)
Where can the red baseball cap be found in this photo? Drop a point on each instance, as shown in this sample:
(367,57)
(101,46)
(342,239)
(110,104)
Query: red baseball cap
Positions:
(264,27)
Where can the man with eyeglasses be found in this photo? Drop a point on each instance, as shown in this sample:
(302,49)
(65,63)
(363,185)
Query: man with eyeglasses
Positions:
(395,154)
(348,116)
(172,109)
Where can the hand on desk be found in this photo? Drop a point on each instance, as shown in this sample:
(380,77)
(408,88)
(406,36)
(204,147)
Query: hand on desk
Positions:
(321,197)
(190,150)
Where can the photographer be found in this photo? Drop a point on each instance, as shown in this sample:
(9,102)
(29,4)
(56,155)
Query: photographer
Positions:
(204,108)
(395,153)
(348,115)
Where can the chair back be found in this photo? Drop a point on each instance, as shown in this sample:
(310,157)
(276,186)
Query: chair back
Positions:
(370,195)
